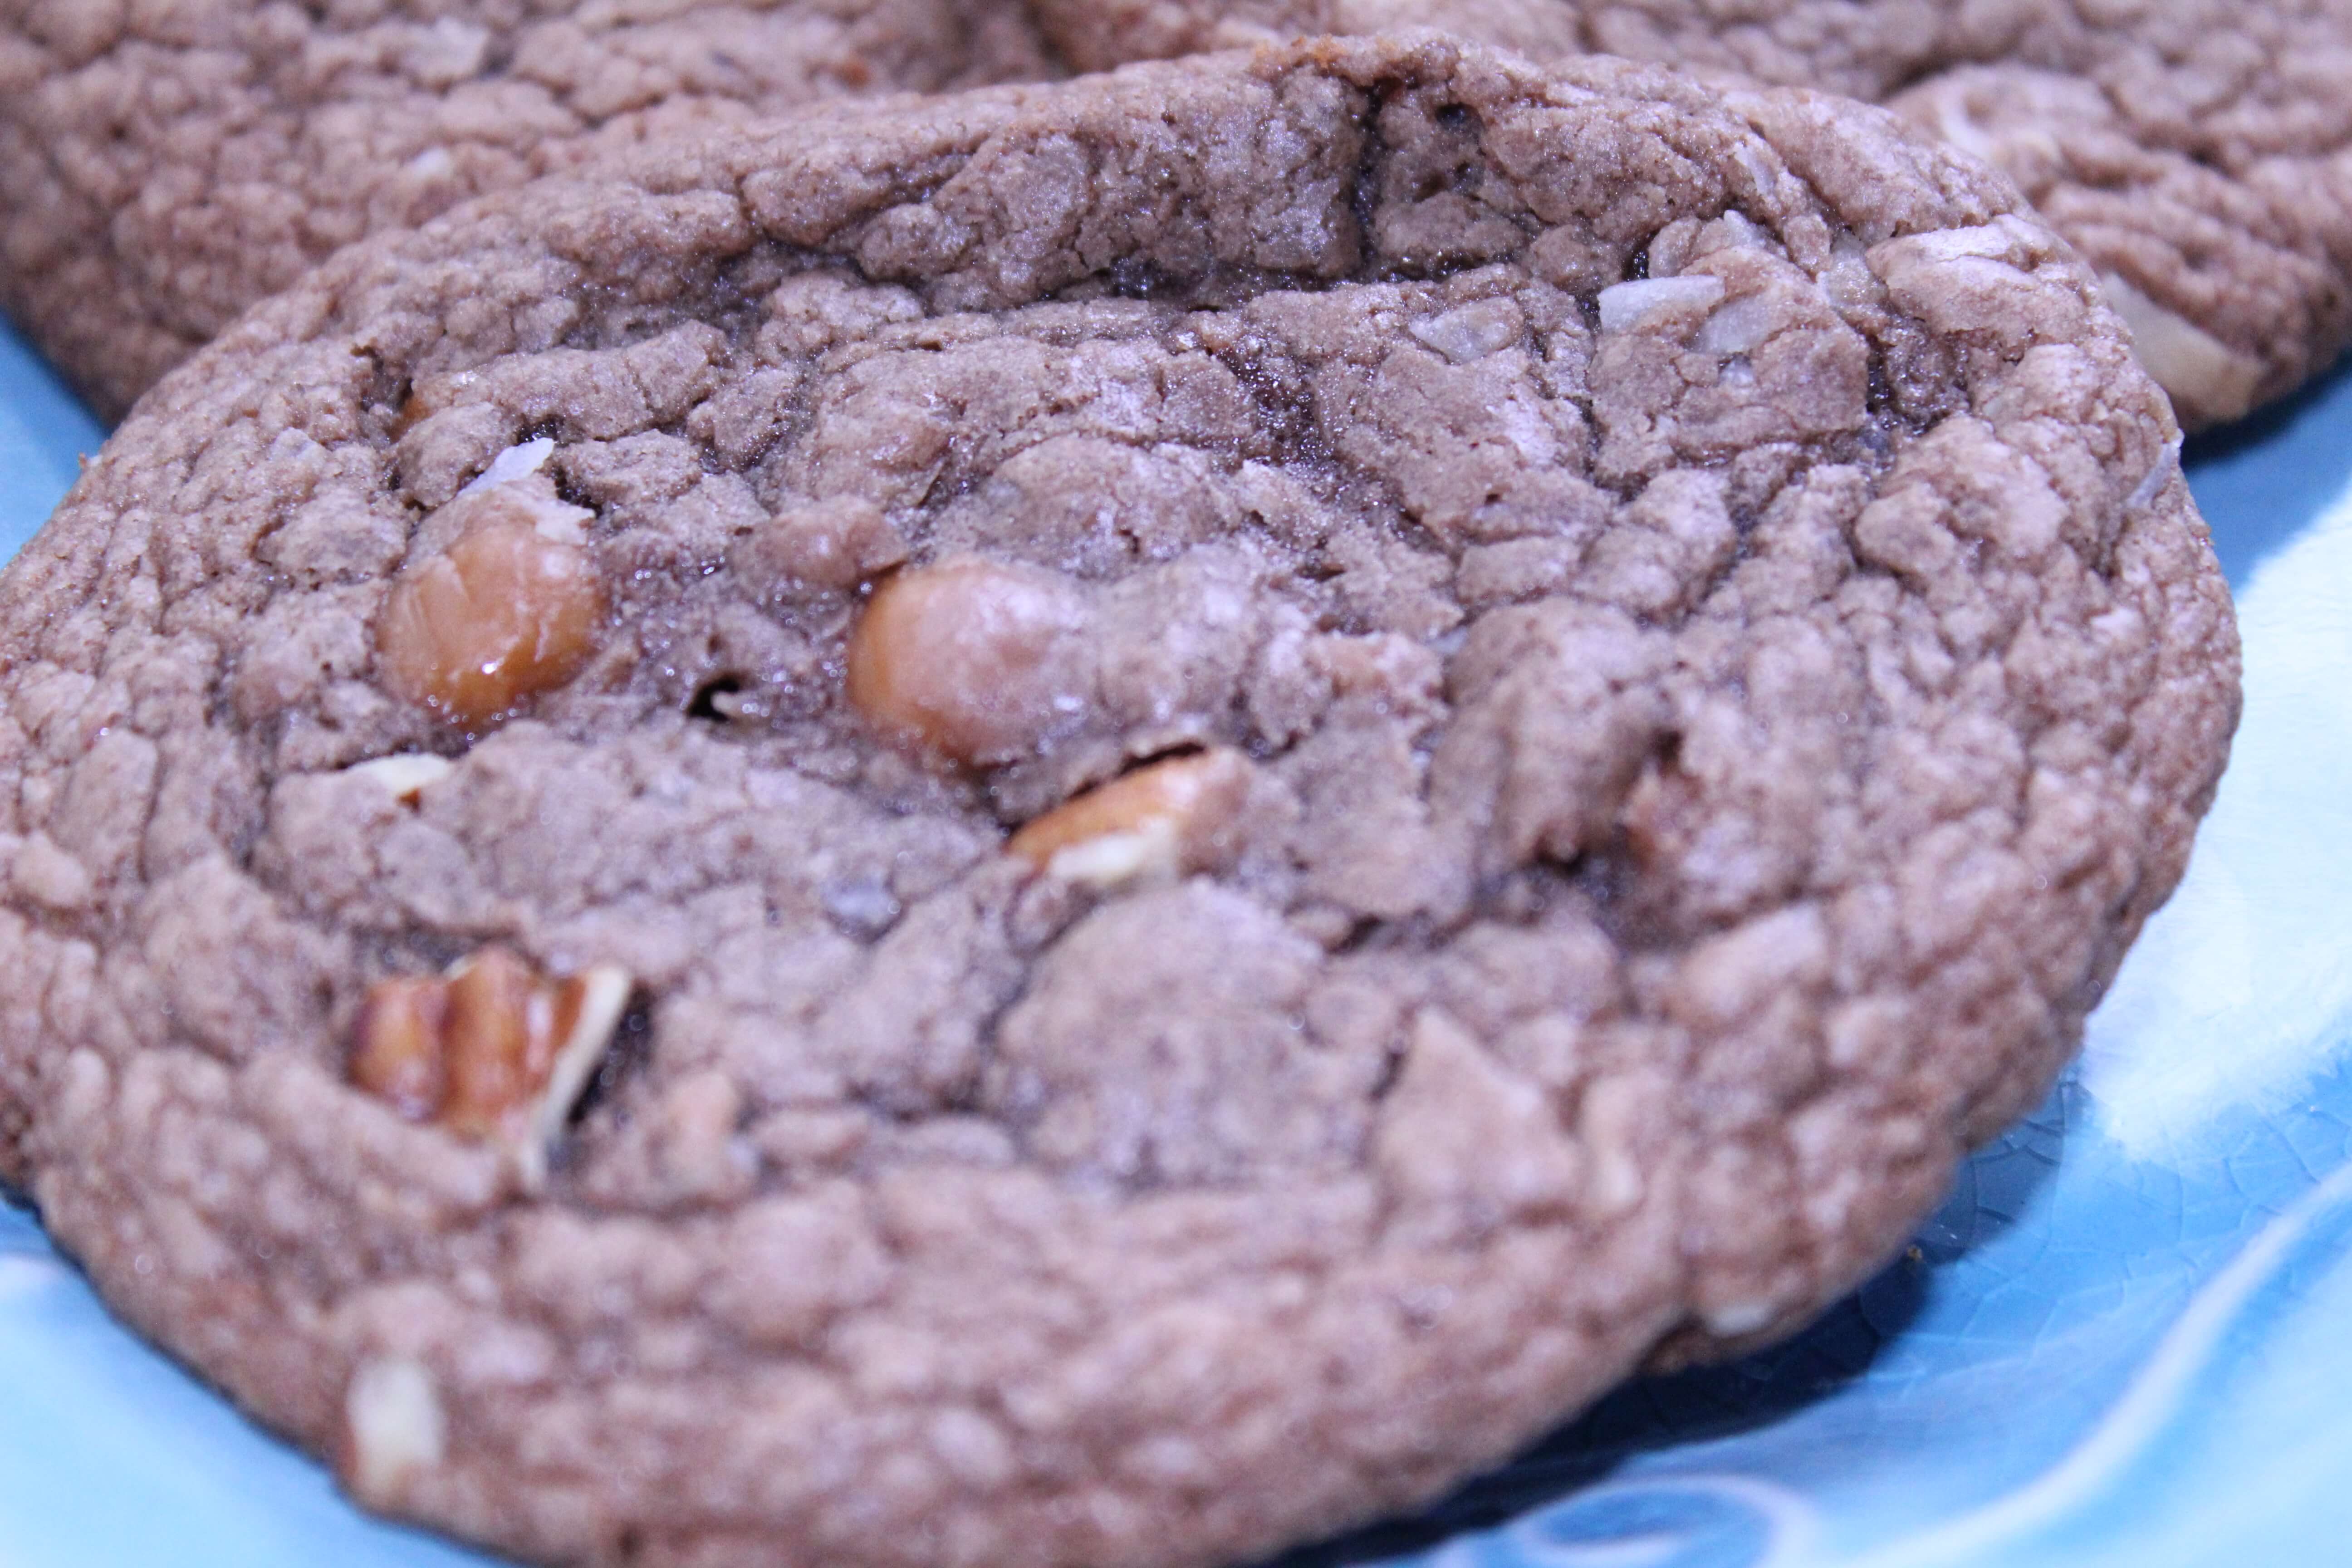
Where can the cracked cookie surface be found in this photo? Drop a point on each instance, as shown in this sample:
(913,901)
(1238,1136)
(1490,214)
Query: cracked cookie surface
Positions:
(1221,785)
(164,167)
(2197,151)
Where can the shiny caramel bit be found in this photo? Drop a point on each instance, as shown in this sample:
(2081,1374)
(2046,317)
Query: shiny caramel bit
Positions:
(972,659)
(510,609)
(492,1051)
(1171,818)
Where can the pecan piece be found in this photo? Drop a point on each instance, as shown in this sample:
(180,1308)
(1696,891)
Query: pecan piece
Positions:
(1169,819)
(492,1051)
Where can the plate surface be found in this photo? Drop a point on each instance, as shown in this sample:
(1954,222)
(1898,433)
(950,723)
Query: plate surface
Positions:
(2120,1344)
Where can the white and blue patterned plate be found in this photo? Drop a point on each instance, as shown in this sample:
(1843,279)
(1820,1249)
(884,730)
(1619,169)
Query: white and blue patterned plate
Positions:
(2124,1342)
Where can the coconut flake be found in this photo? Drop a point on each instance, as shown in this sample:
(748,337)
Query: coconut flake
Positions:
(1624,305)
(517,462)
(2153,480)
(1991,241)
(1736,327)
(1471,332)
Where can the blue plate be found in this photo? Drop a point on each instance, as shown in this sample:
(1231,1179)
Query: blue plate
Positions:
(2121,1344)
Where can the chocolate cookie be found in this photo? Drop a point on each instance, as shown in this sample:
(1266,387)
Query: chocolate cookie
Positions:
(1088,825)
(164,167)
(2198,151)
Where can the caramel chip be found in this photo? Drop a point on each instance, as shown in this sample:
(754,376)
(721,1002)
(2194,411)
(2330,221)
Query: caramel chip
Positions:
(971,660)
(504,613)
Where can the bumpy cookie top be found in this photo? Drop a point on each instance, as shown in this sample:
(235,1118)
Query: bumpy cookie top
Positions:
(1088,825)
(162,167)
(2195,150)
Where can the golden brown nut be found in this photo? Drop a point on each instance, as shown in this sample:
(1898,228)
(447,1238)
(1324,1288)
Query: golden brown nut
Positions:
(492,1051)
(1169,819)
(972,659)
(497,1042)
(397,1048)
(502,614)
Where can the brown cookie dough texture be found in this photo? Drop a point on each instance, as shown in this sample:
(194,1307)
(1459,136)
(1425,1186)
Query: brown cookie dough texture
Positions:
(1267,765)
(2198,151)
(163,166)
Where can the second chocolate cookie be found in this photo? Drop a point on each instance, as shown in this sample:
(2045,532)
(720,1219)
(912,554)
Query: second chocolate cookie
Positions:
(163,168)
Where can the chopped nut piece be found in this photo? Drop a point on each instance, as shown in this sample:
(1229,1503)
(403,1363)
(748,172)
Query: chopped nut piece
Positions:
(503,613)
(498,1042)
(972,659)
(395,1427)
(396,1056)
(588,1009)
(492,1050)
(1167,819)
(407,775)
